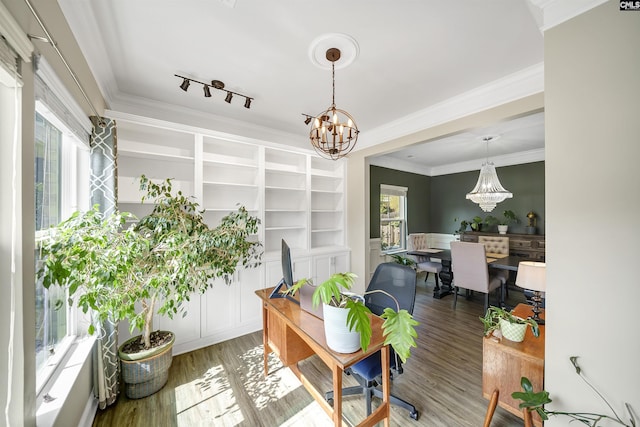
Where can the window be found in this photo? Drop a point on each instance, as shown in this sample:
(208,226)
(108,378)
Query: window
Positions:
(61,187)
(393,217)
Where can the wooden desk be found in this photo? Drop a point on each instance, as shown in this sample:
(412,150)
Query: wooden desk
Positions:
(504,362)
(293,334)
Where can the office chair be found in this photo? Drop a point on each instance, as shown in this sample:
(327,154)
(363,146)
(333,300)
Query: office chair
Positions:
(418,242)
(399,281)
(470,271)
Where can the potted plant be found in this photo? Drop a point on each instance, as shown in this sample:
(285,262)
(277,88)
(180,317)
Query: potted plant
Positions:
(354,316)
(532,401)
(511,327)
(402,260)
(508,217)
(476,223)
(152,266)
(463,226)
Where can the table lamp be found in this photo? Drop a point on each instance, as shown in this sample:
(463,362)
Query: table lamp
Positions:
(533,275)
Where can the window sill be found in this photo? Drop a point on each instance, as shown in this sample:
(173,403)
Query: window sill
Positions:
(61,385)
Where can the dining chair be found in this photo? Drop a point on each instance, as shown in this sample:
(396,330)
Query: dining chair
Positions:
(418,242)
(497,245)
(470,271)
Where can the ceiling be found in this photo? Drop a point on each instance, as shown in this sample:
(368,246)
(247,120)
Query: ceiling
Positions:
(412,57)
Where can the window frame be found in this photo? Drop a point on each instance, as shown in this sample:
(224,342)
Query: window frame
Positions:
(402,192)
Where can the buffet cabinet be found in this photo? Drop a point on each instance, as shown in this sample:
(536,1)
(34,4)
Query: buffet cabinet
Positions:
(523,245)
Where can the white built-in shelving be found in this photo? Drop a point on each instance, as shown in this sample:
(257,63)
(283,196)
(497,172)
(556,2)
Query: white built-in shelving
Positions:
(298,197)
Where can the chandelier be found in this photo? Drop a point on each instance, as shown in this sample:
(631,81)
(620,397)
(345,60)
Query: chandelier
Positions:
(488,191)
(333,132)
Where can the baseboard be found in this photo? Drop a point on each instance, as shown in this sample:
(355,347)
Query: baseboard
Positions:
(89,413)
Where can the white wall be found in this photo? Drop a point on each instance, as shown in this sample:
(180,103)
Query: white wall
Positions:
(592,102)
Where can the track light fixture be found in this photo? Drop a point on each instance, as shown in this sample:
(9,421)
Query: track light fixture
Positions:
(307,119)
(216,84)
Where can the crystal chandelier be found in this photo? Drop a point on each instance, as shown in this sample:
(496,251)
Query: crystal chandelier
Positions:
(333,132)
(488,191)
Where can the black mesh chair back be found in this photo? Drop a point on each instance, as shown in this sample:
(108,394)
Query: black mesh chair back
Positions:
(396,279)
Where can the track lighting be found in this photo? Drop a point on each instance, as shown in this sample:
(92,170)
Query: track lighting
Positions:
(308,119)
(216,84)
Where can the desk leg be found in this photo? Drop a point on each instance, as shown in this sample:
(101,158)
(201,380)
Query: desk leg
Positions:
(386,386)
(337,396)
(265,338)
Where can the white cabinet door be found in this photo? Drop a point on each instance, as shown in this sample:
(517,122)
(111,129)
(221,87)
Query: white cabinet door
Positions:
(249,282)
(326,265)
(185,324)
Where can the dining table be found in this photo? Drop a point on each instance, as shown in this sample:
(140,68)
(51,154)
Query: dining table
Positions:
(496,261)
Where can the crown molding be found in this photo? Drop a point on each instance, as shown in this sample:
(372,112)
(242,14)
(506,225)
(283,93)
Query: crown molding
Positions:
(550,13)
(515,86)
(81,15)
(470,165)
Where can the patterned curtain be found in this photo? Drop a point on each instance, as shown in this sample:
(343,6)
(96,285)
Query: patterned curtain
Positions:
(104,192)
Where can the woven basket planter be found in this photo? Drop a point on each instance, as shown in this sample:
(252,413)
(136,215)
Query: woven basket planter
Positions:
(149,372)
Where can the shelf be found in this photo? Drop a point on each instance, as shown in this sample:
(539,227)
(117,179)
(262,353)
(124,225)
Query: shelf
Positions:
(327,211)
(325,191)
(302,227)
(284,188)
(326,230)
(229,184)
(285,210)
(155,156)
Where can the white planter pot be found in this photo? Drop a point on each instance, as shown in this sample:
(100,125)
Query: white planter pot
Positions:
(337,334)
(513,331)
(502,229)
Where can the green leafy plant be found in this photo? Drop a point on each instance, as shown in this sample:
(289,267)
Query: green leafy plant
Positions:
(535,401)
(403,260)
(491,320)
(463,225)
(509,217)
(398,326)
(123,273)
(476,223)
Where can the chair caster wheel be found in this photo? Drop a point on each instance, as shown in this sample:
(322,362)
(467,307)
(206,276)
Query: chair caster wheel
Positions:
(414,415)
(330,401)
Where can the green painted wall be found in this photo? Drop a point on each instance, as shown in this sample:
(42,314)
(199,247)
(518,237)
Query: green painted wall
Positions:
(418,197)
(436,201)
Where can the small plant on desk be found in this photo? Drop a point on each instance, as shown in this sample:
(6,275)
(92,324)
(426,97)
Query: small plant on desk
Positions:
(532,401)
(398,327)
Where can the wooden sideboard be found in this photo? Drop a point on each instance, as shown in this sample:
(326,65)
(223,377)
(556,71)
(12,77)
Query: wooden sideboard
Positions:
(504,362)
(524,245)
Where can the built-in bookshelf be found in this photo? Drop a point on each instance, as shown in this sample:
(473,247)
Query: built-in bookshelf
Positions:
(297,195)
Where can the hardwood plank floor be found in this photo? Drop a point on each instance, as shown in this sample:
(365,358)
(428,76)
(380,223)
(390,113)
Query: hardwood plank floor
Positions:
(224,385)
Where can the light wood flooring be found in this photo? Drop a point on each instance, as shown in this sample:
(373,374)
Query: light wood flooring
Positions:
(224,385)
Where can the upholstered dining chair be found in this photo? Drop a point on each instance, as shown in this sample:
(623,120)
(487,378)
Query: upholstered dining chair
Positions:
(498,245)
(417,242)
(470,271)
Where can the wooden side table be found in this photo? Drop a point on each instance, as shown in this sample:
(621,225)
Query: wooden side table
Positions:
(504,362)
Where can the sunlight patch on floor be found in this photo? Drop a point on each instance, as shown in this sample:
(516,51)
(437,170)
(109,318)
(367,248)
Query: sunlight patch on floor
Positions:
(311,416)
(263,390)
(208,400)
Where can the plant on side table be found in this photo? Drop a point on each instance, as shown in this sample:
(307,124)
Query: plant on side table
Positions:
(510,326)
(398,327)
(124,273)
(535,401)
